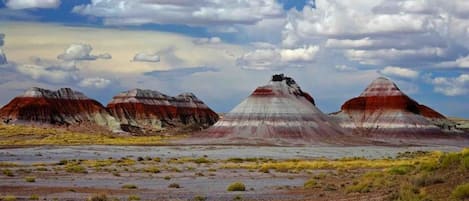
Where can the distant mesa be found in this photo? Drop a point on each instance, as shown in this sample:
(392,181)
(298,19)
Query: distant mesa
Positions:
(136,111)
(142,111)
(279,113)
(61,107)
(384,111)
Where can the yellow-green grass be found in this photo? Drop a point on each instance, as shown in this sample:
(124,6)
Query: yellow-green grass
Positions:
(461,192)
(236,186)
(402,165)
(21,135)
(437,179)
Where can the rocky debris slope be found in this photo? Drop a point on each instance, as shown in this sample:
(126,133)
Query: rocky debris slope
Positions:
(383,110)
(61,107)
(278,113)
(143,111)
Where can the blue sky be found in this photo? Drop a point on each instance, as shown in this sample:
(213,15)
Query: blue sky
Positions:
(222,51)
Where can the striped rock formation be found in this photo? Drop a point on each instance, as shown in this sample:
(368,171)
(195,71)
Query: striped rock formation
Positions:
(61,107)
(384,110)
(279,113)
(145,110)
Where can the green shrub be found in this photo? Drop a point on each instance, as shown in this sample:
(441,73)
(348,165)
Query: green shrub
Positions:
(42,169)
(369,180)
(8,172)
(236,186)
(311,183)
(235,160)
(461,192)
(30,179)
(429,166)
(465,162)
(9,198)
(199,198)
(426,179)
(100,197)
(360,187)
(34,197)
(133,198)
(152,170)
(167,178)
(401,169)
(201,160)
(449,159)
(408,192)
(76,169)
(129,186)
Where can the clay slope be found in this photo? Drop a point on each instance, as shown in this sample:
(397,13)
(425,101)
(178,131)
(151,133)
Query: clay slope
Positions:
(383,110)
(61,107)
(278,113)
(144,111)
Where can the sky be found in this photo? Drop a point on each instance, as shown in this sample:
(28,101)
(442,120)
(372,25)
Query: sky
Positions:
(223,50)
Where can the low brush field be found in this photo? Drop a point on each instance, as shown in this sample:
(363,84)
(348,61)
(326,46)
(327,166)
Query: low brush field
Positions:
(408,176)
(18,135)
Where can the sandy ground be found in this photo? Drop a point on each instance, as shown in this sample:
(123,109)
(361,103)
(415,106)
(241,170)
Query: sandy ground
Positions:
(57,153)
(206,180)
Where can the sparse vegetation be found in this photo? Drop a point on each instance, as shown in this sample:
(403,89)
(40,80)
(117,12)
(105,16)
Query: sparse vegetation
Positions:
(34,197)
(174,185)
(412,176)
(369,181)
(201,160)
(133,198)
(9,198)
(30,179)
(152,169)
(236,186)
(14,135)
(461,192)
(100,197)
(426,179)
(7,164)
(75,168)
(7,172)
(129,186)
(401,169)
(237,198)
(199,198)
(311,183)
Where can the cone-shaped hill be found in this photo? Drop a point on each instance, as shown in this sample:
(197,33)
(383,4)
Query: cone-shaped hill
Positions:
(383,110)
(278,113)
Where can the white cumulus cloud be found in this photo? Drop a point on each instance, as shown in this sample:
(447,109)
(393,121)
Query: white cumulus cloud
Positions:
(81,52)
(380,32)
(27,4)
(345,68)
(146,57)
(452,86)
(299,54)
(268,59)
(188,12)
(399,72)
(47,74)
(211,40)
(95,82)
